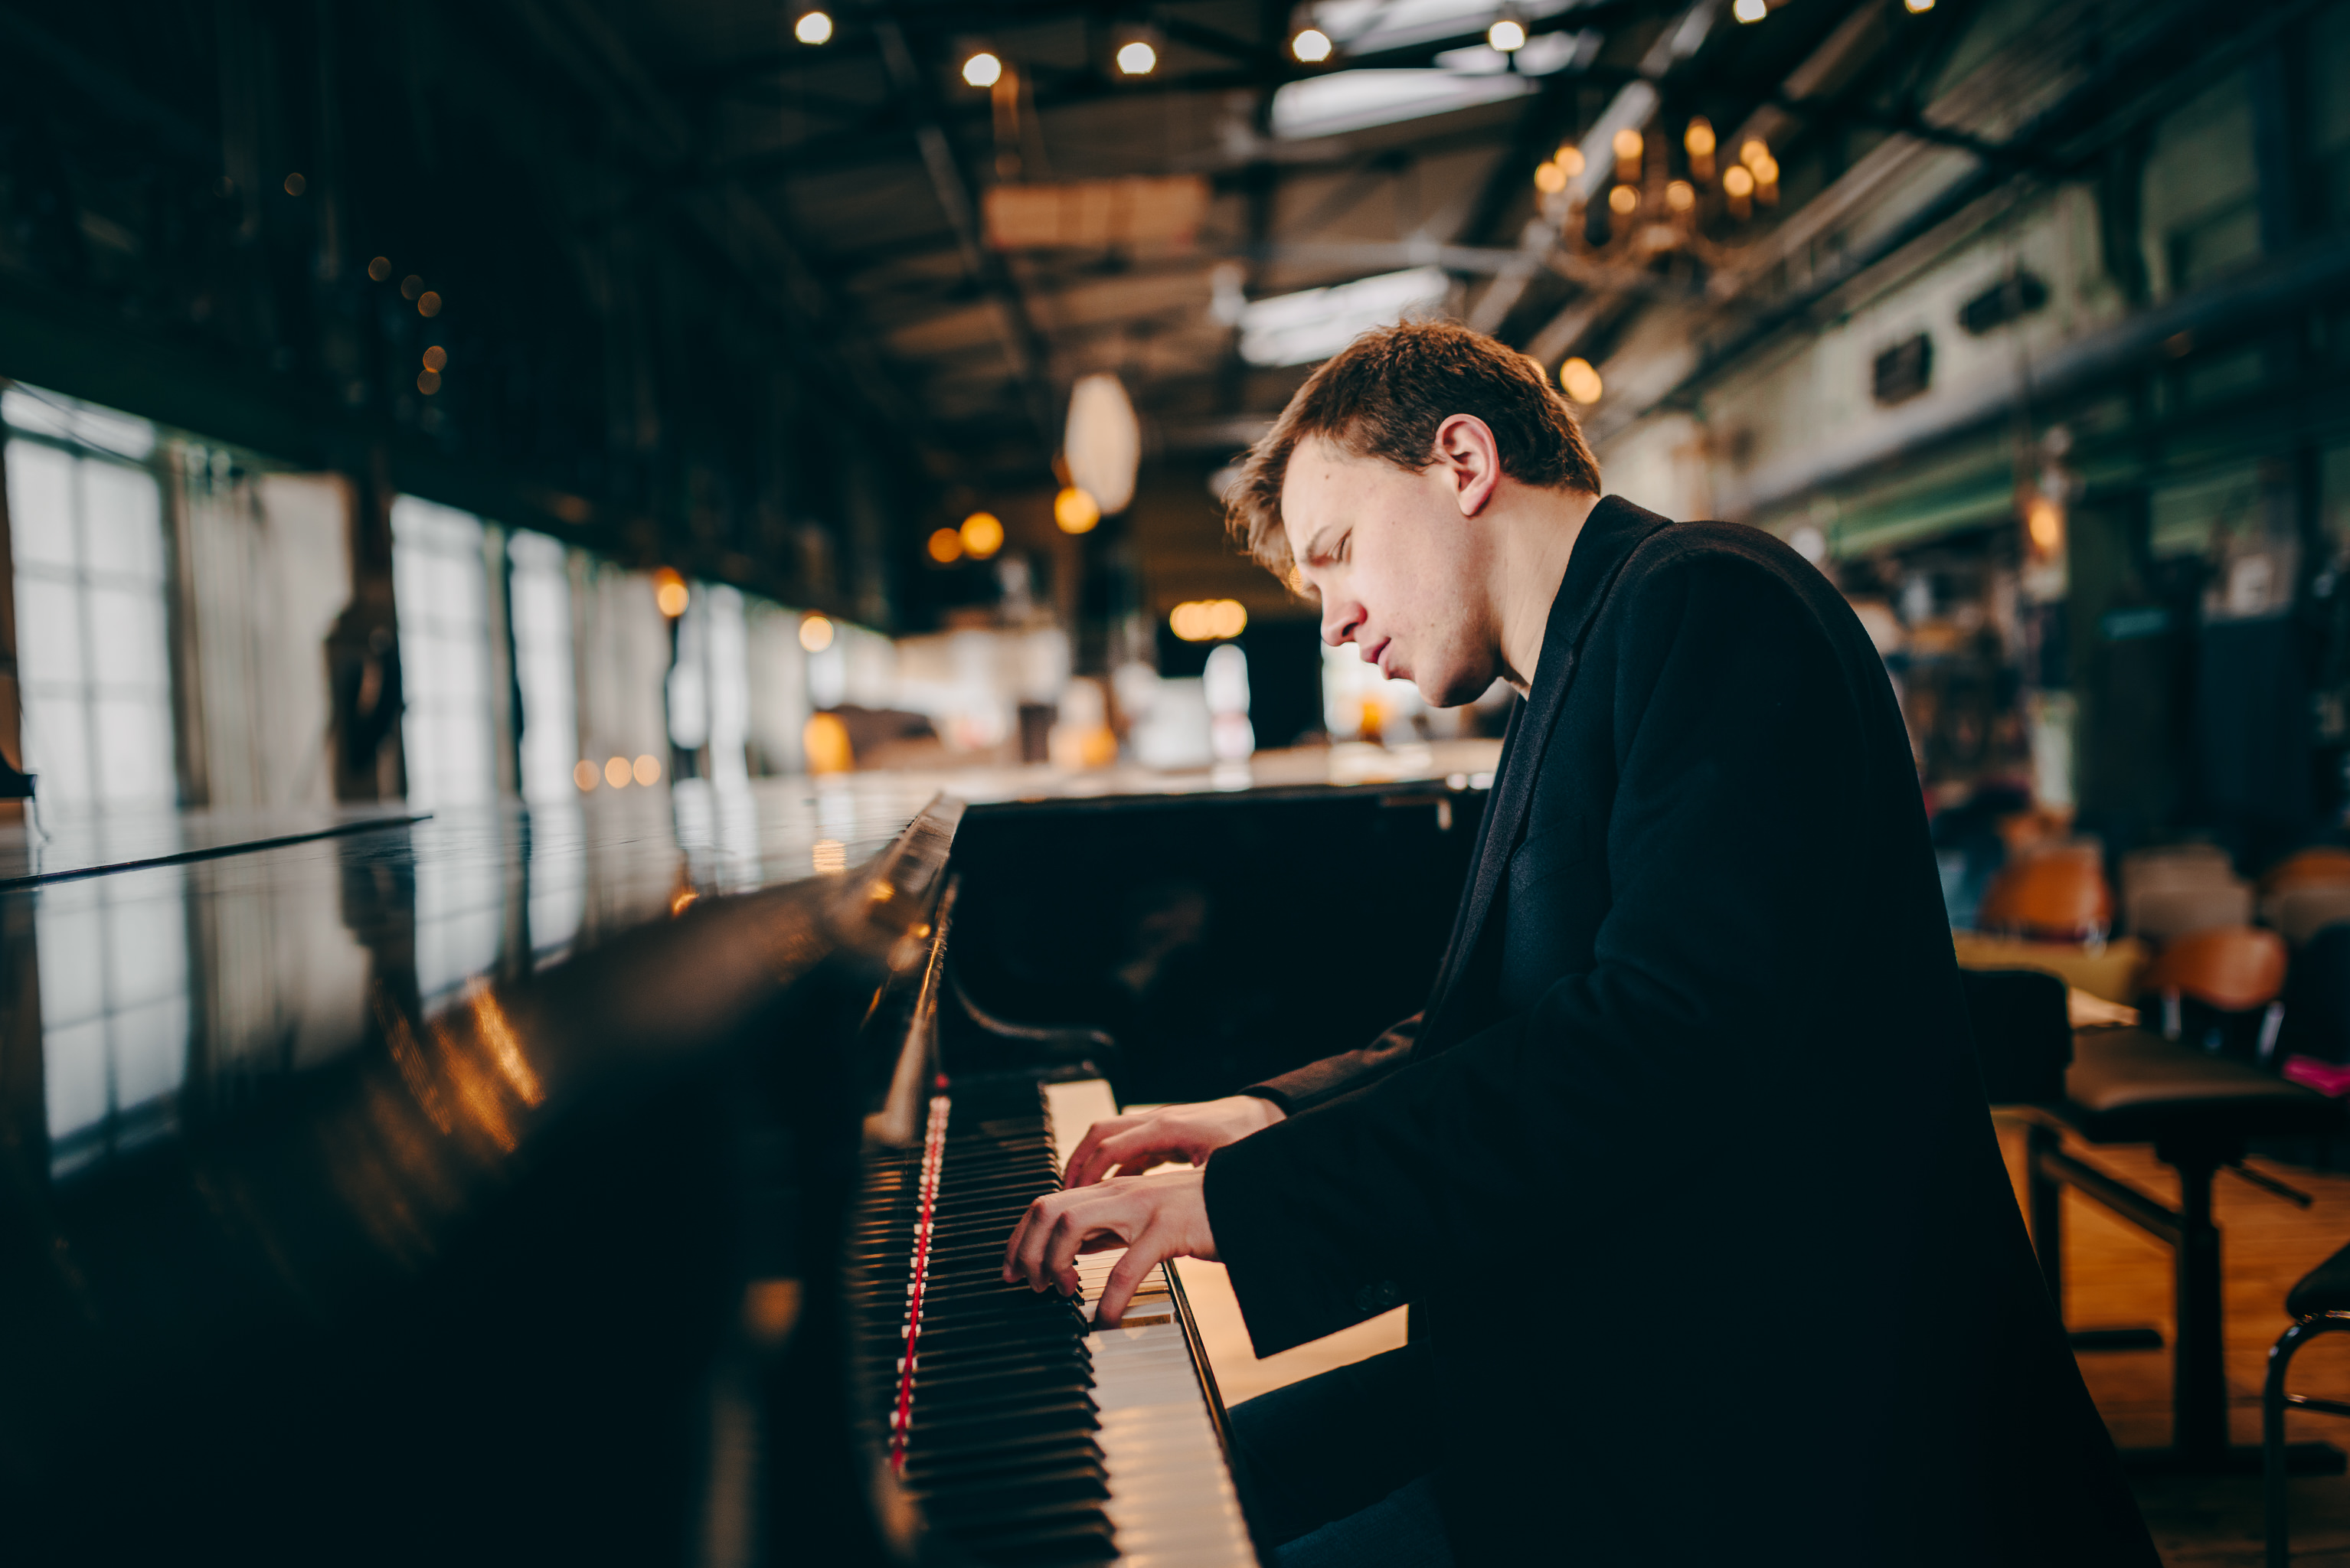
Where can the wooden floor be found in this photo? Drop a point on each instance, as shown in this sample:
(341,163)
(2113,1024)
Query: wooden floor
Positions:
(2116,1276)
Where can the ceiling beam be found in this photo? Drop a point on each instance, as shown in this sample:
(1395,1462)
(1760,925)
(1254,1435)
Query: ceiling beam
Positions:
(1024,346)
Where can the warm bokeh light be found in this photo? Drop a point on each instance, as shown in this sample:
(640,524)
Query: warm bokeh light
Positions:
(815,27)
(828,856)
(946,545)
(1751,10)
(1623,199)
(436,357)
(1508,34)
(1766,171)
(982,69)
(379,268)
(428,382)
(1681,196)
(1579,380)
(982,535)
(816,634)
(585,775)
(1075,511)
(428,303)
(1737,183)
(411,287)
(1629,144)
(1312,44)
(648,770)
(1569,158)
(1918,7)
(1699,138)
(825,740)
(295,184)
(682,900)
(670,592)
(1549,179)
(2044,521)
(1752,152)
(1208,620)
(1138,58)
(616,772)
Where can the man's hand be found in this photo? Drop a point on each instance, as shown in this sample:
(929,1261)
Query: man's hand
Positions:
(1132,1145)
(1155,1217)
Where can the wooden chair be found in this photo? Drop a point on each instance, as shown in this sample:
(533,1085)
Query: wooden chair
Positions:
(2300,913)
(2174,866)
(2058,895)
(2322,865)
(2161,914)
(2234,969)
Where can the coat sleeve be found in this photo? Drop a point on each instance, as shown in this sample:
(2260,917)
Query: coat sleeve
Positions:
(1318,1083)
(1739,756)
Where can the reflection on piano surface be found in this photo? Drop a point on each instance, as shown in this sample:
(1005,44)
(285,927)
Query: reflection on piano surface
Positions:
(522,1186)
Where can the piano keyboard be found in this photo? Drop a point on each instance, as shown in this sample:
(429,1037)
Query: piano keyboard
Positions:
(1025,1435)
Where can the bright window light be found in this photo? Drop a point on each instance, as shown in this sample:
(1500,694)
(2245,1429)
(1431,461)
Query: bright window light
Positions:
(1354,100)
(1299,328)
(1370,26)
(440,584)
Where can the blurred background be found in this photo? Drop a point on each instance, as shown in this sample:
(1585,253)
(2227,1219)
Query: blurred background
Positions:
(547,397)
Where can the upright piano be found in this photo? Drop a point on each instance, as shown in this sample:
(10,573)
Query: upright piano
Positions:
(626,1182)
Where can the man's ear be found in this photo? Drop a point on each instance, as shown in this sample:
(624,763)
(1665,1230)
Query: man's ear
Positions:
(1471,460)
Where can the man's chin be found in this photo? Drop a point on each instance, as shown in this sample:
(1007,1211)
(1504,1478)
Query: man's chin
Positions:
(1449,691)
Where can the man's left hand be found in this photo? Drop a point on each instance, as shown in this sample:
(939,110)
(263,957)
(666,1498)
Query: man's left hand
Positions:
(1154,1218)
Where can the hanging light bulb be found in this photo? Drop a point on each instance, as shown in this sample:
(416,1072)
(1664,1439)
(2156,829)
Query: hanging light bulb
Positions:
(1623,201)
(1569,158)
(1138,58)
(1549,179)
(983,535)
(815,27)
(1579,380)
(982,69)
(1311,45)
(1508,34)
(1737,186)
(1751,10)
(1627,145)
(1074,511)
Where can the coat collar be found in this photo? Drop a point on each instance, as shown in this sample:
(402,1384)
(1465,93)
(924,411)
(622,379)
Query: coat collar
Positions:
(1610,534)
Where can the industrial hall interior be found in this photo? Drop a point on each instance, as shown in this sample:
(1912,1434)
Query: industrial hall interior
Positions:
(640,698)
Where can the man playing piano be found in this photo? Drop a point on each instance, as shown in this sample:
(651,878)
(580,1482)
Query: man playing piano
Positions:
(1685,1169)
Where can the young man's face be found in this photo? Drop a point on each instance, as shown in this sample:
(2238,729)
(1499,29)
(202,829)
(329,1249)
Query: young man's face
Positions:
(1400,570)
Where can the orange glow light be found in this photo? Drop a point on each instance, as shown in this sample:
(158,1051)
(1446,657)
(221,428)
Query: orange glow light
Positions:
(1208,620)
(946,545)
(648,770)
(670,592)
(1075,511)
(428,303)
(616,772)
(825,738)
(585,775)
(982,535)
(816,634)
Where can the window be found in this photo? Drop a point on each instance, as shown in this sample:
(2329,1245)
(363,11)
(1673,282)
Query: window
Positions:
(92,643)
(539,589)
(441,582)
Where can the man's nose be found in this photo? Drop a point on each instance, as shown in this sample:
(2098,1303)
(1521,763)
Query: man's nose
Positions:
(1340,620)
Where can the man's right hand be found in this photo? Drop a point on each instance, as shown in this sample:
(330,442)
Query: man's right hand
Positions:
(1132,1145)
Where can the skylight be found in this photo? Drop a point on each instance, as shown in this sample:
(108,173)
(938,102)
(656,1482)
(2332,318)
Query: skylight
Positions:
(1356,100)
(1299,328)
(1371,27)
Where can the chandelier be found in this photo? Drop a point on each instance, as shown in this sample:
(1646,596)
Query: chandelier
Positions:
(1649,208)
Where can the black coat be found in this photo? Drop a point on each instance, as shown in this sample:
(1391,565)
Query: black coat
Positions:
(1688,1175)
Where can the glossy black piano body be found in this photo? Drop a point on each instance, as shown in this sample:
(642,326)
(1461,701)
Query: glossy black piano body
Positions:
(495,1208)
